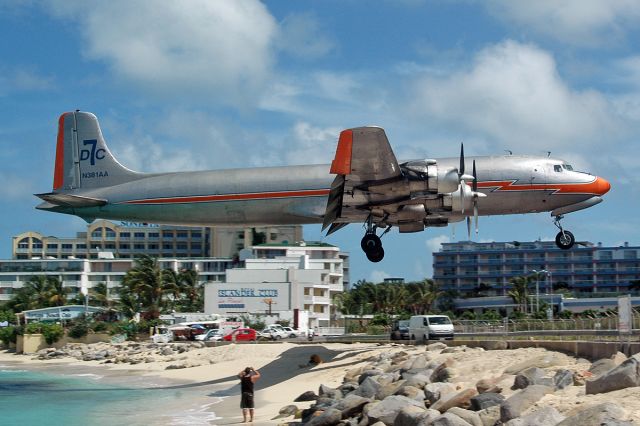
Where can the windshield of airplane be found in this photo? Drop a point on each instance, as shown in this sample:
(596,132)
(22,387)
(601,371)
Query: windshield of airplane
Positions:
(567,167)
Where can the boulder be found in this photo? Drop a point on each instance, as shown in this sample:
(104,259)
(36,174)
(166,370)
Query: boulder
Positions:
(368,388)
(411,392)
(443,372)
(545,416)
(433,347)
(386,378)
(623,376)
(461,399)
(389,389)
(550,359)
(434,391)
(495,345)
(562,379)
(486,400)
(449,419)
(489,385)
(419,362)
(418,380)
(286,411)
(166,351)
(306,396)
(346,388)
(328,417)
(369,373)
(490,416)
(606,413)
(415,416)
(517,403)
(387,410)
(329,392)
(531,376)
(351,405)
(350,375)
(454,349)
(602,366)
(470,417)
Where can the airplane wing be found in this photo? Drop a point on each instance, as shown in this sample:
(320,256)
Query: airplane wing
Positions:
(365,166)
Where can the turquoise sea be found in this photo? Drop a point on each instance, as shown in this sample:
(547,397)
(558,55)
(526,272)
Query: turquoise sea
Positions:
(46,398)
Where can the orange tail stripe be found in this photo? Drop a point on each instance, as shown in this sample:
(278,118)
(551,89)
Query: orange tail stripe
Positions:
(594,187)
(233,197)
(58,174)
(341,164)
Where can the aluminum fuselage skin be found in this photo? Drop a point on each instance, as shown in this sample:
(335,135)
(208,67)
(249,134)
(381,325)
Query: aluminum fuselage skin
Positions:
(298,194)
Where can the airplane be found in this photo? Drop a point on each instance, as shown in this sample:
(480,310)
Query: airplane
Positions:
(365,183)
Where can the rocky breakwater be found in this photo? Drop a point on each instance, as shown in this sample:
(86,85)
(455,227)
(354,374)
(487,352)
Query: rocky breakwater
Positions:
(175,354)
(438,386)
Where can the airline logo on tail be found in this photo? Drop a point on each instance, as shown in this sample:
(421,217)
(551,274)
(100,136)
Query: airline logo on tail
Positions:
(92,154)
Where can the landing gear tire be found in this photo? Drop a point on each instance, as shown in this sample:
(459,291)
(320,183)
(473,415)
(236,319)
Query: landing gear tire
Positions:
(370,242)
(565,240)
(376,255)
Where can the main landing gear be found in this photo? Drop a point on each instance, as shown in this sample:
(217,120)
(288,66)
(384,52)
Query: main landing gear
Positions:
(371,243)
(565,239)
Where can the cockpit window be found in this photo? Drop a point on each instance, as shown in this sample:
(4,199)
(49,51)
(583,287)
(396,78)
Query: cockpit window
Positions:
(567,167)
(557,168)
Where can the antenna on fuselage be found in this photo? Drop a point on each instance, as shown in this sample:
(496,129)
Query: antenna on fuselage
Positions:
(548,154)
(508,151)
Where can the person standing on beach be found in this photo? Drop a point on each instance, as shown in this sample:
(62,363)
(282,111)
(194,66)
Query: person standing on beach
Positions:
(247,377)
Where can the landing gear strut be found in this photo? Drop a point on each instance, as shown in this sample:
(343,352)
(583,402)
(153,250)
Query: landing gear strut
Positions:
(565,239)
(371,243)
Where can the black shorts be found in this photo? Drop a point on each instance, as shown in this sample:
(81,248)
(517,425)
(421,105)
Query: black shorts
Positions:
(246,400)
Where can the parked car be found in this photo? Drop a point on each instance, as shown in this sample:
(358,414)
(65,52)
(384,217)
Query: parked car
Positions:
(212,335)
(400,330)
(291,332)
(430,327)
(241,335)
(162,336)
(274,333)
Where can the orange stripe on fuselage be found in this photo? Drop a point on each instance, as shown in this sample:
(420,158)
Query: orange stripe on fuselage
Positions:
(596,187)
(233,197)
(58,173)
(341,164)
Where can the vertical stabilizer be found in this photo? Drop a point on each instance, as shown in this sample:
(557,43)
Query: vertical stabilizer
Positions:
(83,160)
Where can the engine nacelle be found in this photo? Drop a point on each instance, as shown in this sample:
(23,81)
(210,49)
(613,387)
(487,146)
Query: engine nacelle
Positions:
(448,180)
(461,200)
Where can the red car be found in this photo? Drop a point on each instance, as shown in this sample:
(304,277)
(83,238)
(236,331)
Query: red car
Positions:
(241,335)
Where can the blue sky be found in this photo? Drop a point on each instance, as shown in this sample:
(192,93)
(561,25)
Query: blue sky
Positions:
(193,85)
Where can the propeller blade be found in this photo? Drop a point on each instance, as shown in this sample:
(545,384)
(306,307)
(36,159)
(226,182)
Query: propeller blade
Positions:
(463,186)
(468,228)
(475,213)
(461,169)
(475,177)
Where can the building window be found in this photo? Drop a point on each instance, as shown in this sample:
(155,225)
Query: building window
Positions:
(109,233)
(81,246)
(181,247)
(196,246)
(196,234)
(138,235)
(97,233)
(153,247)
(182,234)
(606,255)
(167,246)
(167,234)
(138,246)
(154,235)
(630,254)
(125,235)
(67,246)
(52,246)
(124,246)
(110,246)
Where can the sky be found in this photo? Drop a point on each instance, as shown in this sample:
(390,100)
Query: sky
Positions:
(201,84)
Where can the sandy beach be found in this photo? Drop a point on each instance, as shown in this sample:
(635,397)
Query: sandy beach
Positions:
(285,374)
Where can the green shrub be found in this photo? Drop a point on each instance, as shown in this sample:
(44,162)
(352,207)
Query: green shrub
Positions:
(376,329)
(33,328)
(99,327)
(380,319)
(52,333)
(8,335)
(78,330)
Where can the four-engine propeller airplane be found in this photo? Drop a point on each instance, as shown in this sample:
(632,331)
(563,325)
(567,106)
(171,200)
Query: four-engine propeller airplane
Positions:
(369,186)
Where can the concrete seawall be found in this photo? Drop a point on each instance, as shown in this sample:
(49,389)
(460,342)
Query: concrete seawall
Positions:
(583,349)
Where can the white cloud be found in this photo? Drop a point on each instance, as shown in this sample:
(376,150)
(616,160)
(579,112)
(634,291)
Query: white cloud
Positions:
(23,80)
(300,35)
(15,188)
(434,244)
(196,49)
(579,22)
(378,276)
(512,94)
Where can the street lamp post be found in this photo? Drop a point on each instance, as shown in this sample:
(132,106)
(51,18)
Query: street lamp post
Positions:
(543,271)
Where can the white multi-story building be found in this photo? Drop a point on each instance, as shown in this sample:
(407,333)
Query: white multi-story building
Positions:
(284,280)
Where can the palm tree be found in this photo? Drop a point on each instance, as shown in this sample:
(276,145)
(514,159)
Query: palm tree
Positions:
(423,295)
(38,289)
(192,291)
(99,295)
(150,284)
(519,292)
(56,292)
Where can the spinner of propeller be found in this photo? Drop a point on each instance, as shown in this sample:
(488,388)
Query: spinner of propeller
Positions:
(467,193)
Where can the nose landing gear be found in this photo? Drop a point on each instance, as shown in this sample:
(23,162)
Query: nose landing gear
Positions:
(565,239)
(371,243)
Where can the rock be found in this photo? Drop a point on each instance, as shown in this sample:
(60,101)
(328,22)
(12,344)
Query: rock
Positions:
(543,361)
(419,362)
(461,399)
(468,416)
(149,359)
(623,376)
(438,346)
(175,366)
(166,351)
(350,375)
(602,366)
(368,388)
(490,416)
(531,376)
(449,419)
(351,405)
(454,349)
(417,380)
(495,345)
(434,391)
(286,411)
(442,372)
(580,377)
(386,378)
(414,416)
(607,413)
(562,379)
(411,392)
(329,392)
(387,410)
(618,358)
(324,403)
(347,388)
(517,403)
(486,400)
(489,385)
(306,396)
(329,417)
(369,373)
(389,389)
(545,416)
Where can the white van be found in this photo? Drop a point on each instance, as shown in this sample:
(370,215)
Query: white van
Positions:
(430,327)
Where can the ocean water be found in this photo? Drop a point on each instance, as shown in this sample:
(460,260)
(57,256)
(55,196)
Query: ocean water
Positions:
(43,398)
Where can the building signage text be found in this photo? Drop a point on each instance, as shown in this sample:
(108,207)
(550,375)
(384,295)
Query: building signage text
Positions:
(248,292)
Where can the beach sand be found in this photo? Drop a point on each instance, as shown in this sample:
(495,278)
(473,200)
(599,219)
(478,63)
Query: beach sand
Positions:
(285,374)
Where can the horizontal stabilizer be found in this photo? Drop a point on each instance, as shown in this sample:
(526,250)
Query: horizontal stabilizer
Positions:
(68,200)
(334,202)
(335,227)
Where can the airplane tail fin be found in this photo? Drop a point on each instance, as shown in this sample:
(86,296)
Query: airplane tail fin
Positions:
(83,160)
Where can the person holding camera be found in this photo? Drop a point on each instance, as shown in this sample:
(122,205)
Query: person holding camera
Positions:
(247,377)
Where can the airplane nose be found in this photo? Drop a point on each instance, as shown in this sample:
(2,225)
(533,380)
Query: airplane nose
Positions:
(602,186)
